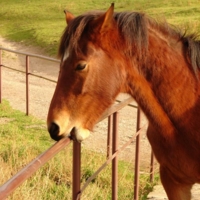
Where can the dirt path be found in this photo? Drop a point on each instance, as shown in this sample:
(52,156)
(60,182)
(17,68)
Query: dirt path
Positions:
(41,92)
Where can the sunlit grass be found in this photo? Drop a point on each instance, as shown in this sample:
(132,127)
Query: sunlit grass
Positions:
(41,22)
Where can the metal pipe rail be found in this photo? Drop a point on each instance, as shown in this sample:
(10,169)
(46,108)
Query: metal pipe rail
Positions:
(32,74)
(8,187)
(30,54)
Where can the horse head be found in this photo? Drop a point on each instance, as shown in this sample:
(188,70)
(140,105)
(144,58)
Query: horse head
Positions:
(89,80)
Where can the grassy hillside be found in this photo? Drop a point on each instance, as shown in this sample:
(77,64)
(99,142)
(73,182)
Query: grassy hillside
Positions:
(41,22)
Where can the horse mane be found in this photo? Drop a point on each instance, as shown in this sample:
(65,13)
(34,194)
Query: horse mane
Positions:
(134,28)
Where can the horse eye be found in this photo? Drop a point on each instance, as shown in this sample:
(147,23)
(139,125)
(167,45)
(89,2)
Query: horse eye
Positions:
(80,66)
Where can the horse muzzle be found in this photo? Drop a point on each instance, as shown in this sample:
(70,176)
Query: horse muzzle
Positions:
(54,131)
(78,134)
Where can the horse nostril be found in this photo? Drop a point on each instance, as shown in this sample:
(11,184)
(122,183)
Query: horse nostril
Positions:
(54,131)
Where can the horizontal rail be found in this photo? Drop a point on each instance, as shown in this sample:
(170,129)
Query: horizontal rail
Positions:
(32,74)
(116,108)
(38,76)
(16,70)
(32,167)
(31,54)
(131,105)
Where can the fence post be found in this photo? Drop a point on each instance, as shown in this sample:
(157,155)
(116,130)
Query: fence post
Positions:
(27,85)
(76,169)
(115,160)
(109,138)
(0,74)
(137,158)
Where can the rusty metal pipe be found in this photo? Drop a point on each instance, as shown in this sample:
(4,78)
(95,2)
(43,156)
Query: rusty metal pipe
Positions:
(109,137)
(14,182)
(137,158)
(0,75)
(30,54)
(115,160)
(27,85)
(76,170)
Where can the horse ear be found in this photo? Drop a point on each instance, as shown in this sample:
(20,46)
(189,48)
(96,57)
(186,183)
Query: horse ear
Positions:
(68,16)
(108,18)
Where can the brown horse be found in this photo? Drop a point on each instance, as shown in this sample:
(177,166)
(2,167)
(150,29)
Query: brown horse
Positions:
(103,54)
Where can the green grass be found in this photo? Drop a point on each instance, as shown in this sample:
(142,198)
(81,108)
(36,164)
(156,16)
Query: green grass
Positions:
(42,22)
(23,138)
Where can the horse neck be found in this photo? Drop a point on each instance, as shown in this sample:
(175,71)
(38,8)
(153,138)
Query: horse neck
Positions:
(163,86)
(170,74)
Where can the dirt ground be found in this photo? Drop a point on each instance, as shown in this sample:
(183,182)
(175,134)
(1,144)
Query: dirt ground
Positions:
(41,91)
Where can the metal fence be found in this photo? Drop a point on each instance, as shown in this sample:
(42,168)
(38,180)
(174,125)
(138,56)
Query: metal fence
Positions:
(113,148)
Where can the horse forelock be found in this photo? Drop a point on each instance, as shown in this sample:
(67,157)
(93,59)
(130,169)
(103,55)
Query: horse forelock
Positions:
(74,31)
(133,26)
